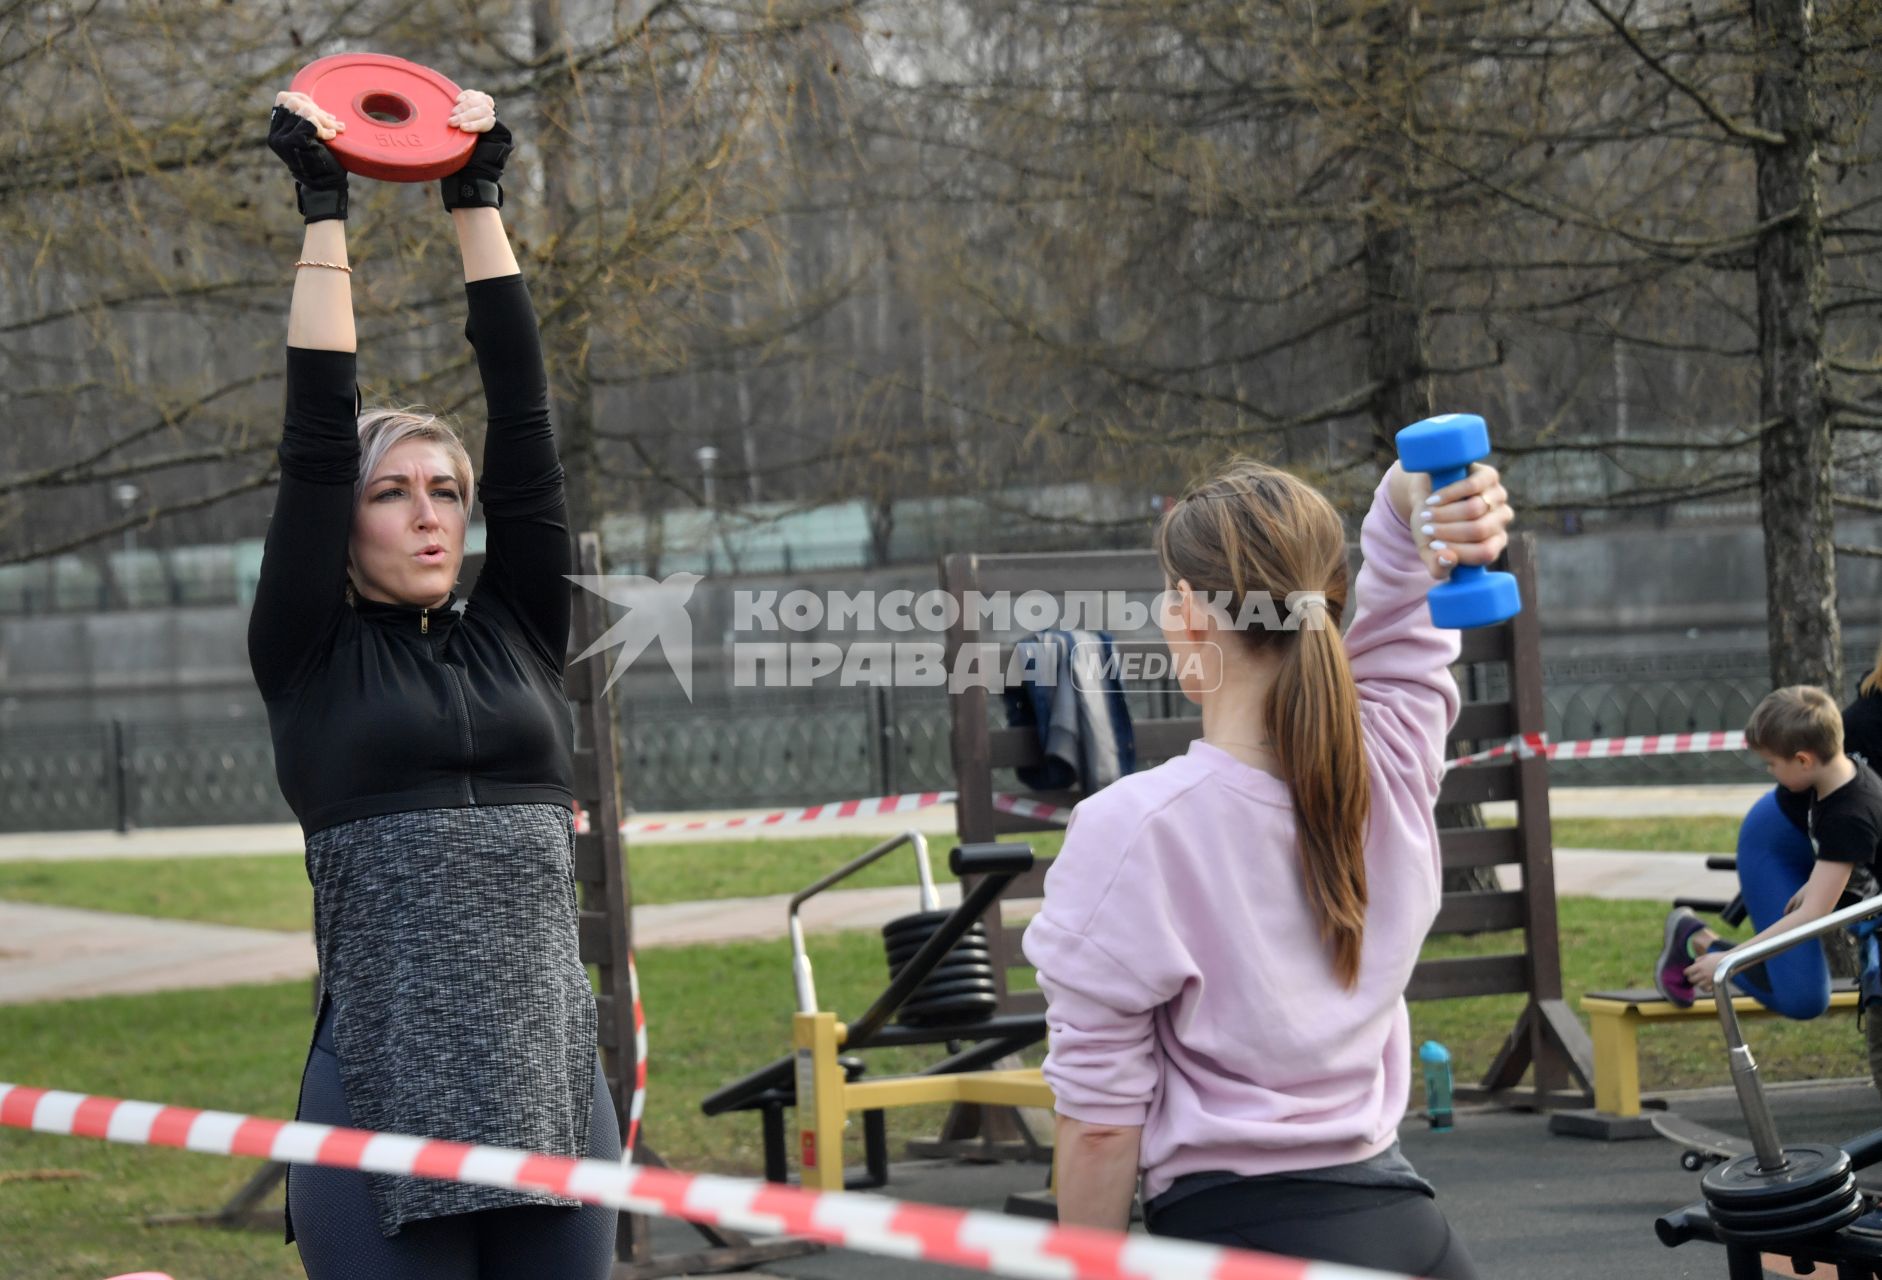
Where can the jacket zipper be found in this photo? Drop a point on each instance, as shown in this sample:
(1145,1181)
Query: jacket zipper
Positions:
(463,706)
(470,746)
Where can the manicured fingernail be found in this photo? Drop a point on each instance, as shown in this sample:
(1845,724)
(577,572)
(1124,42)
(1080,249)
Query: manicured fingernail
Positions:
(1427,529)
(1424,515)
(1440,546)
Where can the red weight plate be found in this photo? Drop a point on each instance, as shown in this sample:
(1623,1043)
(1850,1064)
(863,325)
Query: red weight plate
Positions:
(395,113)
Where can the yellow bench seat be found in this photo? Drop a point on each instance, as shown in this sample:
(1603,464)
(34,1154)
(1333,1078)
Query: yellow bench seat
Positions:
(1614,1022)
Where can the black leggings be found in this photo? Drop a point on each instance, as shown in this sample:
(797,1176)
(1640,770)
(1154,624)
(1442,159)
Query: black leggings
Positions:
(1389,1228)
(337,1229)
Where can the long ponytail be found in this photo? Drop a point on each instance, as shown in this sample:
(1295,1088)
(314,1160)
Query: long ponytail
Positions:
(1313,720)
(1253,529)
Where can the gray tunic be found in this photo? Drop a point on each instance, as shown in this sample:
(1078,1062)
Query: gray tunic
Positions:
(461,1007)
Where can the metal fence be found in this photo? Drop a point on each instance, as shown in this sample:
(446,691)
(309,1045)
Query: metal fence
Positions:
(781,747)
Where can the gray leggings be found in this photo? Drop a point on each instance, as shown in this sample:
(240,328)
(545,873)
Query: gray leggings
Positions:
(1387,1228)
(337,1229)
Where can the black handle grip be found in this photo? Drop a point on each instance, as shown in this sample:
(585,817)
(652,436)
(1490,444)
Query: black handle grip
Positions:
(1865,1149)
(1681,1225)
(990,859)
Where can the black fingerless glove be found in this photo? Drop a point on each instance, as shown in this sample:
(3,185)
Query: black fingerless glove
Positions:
(478,185)
(319,181)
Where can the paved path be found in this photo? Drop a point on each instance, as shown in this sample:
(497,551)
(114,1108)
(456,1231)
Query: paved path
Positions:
(178,842)
(58,953)
(62,953)
(51,953)
(1630,874)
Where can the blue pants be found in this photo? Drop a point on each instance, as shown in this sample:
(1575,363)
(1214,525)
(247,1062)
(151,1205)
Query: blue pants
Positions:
(337,1229)
(1774,860)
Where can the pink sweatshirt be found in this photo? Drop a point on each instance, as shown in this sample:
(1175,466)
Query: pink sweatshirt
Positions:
(1187,986)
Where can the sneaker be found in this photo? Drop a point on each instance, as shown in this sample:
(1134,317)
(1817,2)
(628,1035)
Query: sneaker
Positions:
(1669,975)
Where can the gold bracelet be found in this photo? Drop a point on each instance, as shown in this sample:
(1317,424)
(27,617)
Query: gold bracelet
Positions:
(334,266)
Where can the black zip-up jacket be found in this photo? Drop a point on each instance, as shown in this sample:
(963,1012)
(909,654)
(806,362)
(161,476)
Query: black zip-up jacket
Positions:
(377,708)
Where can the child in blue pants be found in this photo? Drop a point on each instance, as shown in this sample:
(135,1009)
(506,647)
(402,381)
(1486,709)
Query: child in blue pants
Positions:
(1789,874)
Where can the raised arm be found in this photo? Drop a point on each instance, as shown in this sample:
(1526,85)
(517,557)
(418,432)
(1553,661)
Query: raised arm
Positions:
(521,488)
(1400,661)
(303,569)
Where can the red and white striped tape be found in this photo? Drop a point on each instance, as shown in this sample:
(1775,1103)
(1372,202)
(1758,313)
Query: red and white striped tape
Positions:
(1523,745)
(1032,809)
(1528,745)
(991,1242)
(637,1102)
(835,811)
(872,807)
(637,1105)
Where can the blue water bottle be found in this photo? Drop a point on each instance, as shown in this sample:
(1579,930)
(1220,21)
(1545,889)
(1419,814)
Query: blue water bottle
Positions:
(1437,1063)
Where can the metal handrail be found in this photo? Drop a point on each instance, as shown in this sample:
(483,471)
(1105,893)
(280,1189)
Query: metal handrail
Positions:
(1751,1099)
(801,977)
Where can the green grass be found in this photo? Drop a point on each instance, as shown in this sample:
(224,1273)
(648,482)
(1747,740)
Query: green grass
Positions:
(752,868)
(1611,945)
(262,891)
(72,1209)
(1706,834)
(270,891)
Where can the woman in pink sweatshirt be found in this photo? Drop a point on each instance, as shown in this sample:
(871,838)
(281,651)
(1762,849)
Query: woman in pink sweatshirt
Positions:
(1226,938)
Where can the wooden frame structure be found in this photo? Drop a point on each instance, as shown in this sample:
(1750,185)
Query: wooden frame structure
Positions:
(1547,1042)
(606,932)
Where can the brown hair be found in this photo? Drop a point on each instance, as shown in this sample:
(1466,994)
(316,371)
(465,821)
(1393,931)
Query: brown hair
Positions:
(1253,529)
(1872,681)
(1798,718)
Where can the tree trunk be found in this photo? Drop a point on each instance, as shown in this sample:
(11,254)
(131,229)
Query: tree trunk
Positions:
(1395,338)
(881,530)
(565,331)
(1795,453)
(1396,360)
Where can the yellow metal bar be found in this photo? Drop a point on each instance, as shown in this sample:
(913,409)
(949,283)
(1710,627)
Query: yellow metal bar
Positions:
(1018,1088)
(1616,1062)
(820,1114)
(1745,1007)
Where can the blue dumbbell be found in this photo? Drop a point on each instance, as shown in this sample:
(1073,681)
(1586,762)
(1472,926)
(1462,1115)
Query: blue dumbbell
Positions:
(1446,446)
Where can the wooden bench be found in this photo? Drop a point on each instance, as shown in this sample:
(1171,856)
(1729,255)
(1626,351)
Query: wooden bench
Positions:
(1546,1059)
(1615,1019)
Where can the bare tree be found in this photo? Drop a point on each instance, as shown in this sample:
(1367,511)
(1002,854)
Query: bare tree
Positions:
(146,224)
